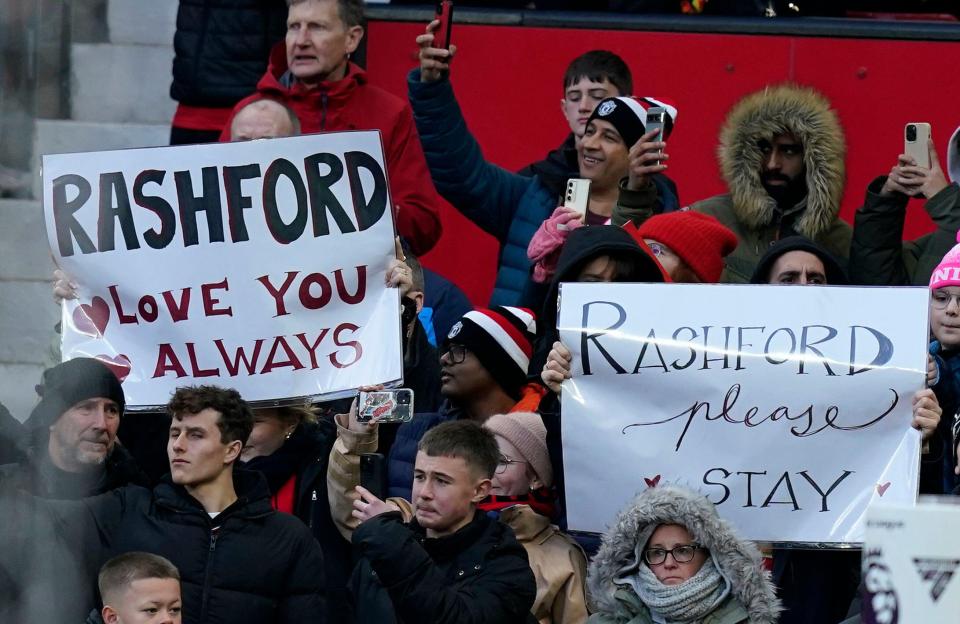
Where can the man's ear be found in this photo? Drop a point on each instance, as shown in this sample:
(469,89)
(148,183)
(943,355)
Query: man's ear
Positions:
(418,297)
(354,35)
(232,452)
(109,615)
(481,490)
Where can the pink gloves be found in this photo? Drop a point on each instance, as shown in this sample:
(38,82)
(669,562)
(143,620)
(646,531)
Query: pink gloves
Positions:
(544,248)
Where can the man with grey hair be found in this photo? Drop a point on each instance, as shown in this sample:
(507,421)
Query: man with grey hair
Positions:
(311,73)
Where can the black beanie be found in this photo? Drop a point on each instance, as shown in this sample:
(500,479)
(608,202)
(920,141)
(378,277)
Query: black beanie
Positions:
(502,339)
(835,274)
(65,385)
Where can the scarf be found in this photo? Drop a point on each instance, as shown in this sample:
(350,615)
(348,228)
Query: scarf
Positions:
(541,500)
(688,602)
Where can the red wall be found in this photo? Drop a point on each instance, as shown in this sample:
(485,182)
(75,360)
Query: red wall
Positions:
(508,82)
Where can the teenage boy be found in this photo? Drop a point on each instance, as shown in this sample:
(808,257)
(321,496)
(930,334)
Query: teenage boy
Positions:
(450,564)
(138,588)
(509,206)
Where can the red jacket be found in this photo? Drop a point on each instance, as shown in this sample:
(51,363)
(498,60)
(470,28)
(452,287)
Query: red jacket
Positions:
(354,104)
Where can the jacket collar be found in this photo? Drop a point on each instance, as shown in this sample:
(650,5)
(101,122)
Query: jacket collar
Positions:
(527,525)
(449,547)
(253,496)
(278,81)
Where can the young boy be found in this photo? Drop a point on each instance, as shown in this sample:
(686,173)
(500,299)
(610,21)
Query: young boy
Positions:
(139,588)
(450,563)
(943,373)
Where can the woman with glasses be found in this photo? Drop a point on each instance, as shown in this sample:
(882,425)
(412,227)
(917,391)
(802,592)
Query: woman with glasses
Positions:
(670,558)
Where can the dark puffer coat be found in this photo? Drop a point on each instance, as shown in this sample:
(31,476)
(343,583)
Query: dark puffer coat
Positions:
(478,575)
(250,564)
(221,49)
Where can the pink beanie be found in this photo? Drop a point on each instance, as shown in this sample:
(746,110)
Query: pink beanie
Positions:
(947,272)
(525,431)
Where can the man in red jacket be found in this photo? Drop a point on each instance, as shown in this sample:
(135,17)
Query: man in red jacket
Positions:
(313,75)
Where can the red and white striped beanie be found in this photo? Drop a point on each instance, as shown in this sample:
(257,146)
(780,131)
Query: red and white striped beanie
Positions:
(502,339)
(629,116)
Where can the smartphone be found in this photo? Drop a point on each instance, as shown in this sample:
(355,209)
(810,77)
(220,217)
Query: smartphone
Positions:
(656,116)
(373,474)
(441,36)
(577,196)
(915,137)
(387,406)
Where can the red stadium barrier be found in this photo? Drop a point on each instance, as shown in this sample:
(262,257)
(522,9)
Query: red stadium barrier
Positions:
(508,81)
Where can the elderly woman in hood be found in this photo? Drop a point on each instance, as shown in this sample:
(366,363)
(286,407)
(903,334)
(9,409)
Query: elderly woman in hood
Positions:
(670,558)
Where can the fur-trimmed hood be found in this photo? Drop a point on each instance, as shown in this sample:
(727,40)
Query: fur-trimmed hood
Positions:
(806,114)
(738,560)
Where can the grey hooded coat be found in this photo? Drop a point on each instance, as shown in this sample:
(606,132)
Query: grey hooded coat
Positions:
(752,596)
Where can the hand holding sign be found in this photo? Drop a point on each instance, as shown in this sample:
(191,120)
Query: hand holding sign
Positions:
(557,368)
(926,412)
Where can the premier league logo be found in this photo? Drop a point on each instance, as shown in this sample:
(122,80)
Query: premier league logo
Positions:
(880,604)
(606,108)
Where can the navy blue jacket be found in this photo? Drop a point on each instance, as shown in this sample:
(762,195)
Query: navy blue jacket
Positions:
(506,205)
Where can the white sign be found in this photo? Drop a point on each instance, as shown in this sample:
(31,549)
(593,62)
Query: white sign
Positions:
(257,265)
(790,408)
(911,564)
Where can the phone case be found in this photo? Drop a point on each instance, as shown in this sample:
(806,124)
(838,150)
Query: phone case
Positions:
(387,406)
(441,37)
(916,147)
(373,474)
(577,196)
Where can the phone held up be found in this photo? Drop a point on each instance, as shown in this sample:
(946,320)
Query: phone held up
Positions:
(441,36)
(656,116)
(373,474)
(577,196)
(915,137)
(387,406)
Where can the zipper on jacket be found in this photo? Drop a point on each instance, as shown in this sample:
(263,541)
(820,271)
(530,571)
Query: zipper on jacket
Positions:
(207,574)
(323,111)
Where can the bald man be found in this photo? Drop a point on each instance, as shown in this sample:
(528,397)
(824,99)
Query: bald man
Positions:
(264,119)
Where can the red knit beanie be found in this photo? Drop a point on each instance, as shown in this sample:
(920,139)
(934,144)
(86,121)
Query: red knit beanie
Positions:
(699,240)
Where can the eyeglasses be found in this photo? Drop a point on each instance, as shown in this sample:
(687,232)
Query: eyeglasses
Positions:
(941,300)
(681,554)
(457,352)
(504,463)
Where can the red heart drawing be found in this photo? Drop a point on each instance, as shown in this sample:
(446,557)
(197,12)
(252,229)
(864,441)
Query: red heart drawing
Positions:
(882,488)
(92,319)
(120,365)
(652,482)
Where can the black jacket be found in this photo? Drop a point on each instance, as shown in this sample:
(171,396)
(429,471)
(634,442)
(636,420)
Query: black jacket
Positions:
(250,564)
(304,457)
(36,475)
(221,49)
(478,575)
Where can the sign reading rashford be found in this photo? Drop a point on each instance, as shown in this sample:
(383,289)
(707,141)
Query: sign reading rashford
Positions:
(789,408)
(257,265)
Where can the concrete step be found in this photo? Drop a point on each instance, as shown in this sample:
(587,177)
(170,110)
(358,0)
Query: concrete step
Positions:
(54,136)
(24,252)
(27,319)
(17,383)
(121,83)
(143,22)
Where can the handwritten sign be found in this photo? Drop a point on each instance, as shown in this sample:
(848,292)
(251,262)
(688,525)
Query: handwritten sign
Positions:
(256,265)
(788,407)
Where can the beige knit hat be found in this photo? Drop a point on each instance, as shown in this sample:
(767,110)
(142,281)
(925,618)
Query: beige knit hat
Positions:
(525,431)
